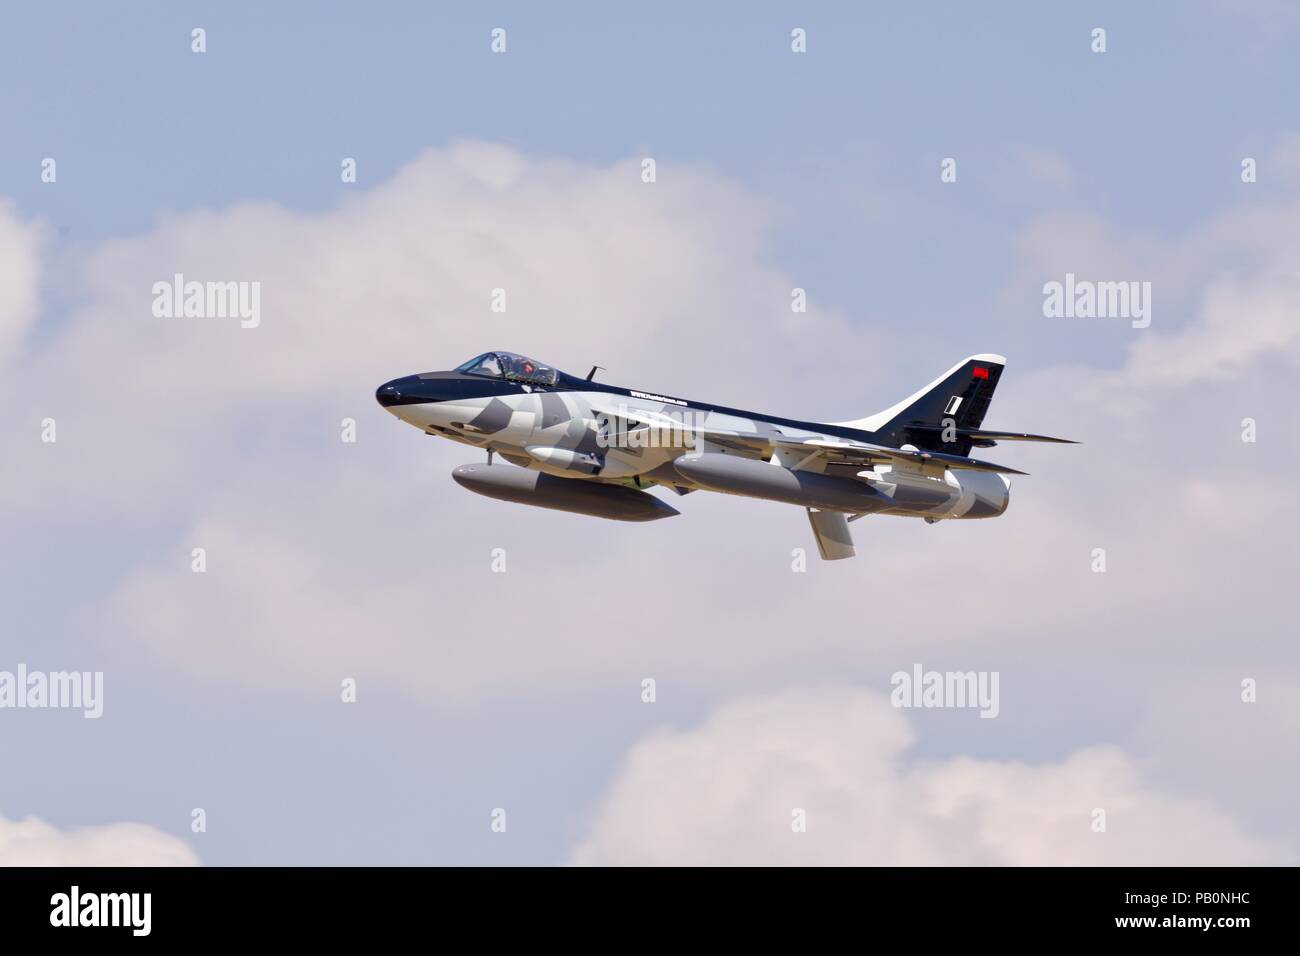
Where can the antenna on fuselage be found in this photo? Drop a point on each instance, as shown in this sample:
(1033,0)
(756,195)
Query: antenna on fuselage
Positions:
(592,373)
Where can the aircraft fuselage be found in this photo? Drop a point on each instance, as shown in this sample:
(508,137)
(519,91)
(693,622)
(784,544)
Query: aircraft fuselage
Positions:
(547,421)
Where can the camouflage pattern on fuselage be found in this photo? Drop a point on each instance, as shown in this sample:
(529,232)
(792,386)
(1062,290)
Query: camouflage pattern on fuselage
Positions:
(539,418)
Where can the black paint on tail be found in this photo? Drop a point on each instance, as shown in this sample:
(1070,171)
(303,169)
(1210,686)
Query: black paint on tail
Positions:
(951,407)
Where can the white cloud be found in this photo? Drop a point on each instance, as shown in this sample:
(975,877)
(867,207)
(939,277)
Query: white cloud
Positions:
(328,560)
(598,267)
(1199,734)
(322,555)
(32,842)
(1223,296)
(726,792)
(21,244)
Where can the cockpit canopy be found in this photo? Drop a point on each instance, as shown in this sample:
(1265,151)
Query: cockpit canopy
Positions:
(511,367)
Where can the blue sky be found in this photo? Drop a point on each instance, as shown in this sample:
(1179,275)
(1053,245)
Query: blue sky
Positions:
(835,154)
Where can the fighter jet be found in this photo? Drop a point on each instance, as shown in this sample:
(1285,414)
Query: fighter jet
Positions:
(578,445)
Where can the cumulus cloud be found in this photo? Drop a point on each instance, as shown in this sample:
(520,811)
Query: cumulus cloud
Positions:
(328,560)
(1205,732)
(32,842)
(729,790)
(21,244)
(1223,295)
(324,557)
(232,433)
(597,267)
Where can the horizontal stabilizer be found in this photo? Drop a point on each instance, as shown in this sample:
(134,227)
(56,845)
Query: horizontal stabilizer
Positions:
(872,454)
(982,436)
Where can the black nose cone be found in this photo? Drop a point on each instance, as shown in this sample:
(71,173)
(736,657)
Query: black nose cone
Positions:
(430,387)
(390,393)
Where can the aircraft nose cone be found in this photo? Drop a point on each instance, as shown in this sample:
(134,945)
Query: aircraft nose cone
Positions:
(425,388)
(389,394)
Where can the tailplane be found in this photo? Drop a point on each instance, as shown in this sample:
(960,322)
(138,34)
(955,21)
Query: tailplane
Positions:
(947,414)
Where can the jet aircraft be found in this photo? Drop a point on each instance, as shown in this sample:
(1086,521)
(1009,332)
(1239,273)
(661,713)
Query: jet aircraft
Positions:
(583,446)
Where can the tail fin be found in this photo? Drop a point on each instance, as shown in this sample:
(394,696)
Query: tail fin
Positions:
(958,399)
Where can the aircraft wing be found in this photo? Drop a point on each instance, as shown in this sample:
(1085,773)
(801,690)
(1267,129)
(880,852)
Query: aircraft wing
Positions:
(834,450)
(868,454)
